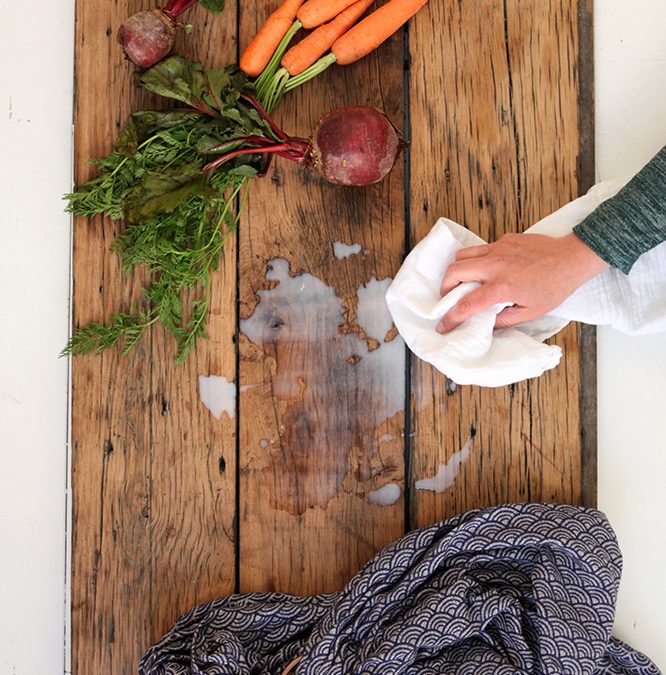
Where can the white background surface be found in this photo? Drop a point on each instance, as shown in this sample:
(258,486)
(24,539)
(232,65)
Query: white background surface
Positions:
(36,61)
(630,73)
(36,66)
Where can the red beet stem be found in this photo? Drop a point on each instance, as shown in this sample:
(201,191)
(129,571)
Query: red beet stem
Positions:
(267,166)
(259,108)
(259,140)
(295,149)
(175,8)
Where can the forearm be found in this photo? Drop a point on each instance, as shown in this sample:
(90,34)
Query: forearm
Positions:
(632,222)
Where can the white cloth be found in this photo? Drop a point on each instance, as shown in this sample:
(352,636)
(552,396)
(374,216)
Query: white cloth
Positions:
(475,353)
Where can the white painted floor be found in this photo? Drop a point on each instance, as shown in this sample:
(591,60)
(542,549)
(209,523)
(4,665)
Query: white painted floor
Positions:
(36,59)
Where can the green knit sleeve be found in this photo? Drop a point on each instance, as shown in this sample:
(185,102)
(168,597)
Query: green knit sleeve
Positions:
(633,221)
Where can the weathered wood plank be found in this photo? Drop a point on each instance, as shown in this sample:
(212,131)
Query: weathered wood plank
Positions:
(153,472)
(322,376)
(495,141)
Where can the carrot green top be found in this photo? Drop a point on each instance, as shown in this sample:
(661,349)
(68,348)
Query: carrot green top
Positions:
(633,221)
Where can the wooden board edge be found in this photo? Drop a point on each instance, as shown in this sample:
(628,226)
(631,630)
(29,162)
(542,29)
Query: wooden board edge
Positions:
(586,178)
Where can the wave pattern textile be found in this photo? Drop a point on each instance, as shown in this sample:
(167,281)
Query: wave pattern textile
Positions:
(525,588)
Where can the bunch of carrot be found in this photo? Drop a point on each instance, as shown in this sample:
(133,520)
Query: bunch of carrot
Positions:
(336,37)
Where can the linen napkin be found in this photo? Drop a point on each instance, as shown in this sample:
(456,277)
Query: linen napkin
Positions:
(475,353)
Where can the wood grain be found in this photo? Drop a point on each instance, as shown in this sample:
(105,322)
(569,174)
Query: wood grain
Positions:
(166,498)
(495,146)
(153,473)
(322,402)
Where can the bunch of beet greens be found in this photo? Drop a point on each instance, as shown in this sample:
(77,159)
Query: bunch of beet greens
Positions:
(179,178)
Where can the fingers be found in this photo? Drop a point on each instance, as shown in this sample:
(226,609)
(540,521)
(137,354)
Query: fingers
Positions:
(466,267)
(472,252)
(459,272)
(477,301)
(512,316)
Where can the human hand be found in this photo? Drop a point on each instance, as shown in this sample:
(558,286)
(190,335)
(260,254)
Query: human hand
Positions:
(533,271)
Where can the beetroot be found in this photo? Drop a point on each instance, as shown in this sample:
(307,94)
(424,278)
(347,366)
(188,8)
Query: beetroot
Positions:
(148,36)
(356,145)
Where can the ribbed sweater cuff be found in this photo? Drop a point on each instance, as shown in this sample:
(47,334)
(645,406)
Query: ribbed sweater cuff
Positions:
(633,221)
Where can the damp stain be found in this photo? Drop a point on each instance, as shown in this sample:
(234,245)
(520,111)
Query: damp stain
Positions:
(332,390)
(447,473)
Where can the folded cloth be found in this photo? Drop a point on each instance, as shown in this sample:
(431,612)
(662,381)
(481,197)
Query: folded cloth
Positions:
(525,588)
(475,353)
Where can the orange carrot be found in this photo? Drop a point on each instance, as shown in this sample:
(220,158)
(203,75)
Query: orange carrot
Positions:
(317,43)
(368,34)
(258,53)
(315,12)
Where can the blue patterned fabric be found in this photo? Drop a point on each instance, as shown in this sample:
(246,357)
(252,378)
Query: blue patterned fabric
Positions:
(527,588)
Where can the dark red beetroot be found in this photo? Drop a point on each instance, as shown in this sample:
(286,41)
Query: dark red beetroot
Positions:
(356,145)
(147,37)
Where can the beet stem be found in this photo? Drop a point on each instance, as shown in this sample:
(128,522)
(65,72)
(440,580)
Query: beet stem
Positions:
(186,6)
(212,93)
(258,107)
(295,149)
(259,140)
(175,8)
(244,151)
(267,166)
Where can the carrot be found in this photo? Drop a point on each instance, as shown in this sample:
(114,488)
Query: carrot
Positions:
(368,34)
(258,53)
(317,43)
(315,12)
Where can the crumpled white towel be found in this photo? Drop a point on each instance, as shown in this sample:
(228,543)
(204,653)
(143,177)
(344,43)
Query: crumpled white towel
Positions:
(475,353)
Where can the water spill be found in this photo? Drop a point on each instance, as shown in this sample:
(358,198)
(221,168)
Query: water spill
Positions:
(342,250)
(372,312)
(264,443)
(218,395)
(385,437)
(448,472)
(333,390)
(387,495)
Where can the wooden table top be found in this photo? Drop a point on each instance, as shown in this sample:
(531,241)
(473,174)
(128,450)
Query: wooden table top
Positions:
(329,422)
